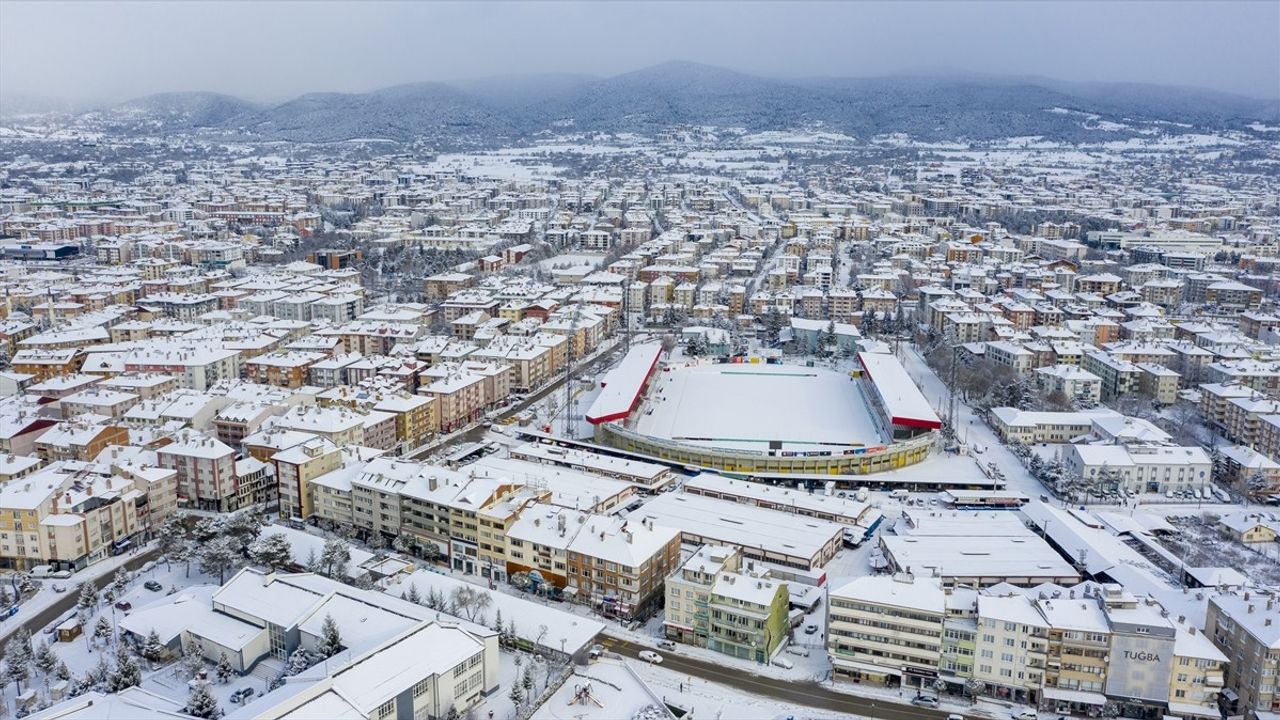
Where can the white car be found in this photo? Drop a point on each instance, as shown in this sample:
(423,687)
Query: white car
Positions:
(651,657)
(783,663)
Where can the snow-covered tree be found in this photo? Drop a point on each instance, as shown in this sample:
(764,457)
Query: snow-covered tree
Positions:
(102,631)
(470,600)
(87,600)
(413,595)
(330,639)
(46,660)
(172,538)
(26,586)
(18,659)
(191,659)
(202,704)
(299,661)
(272,551)
(218,556)
(153,650)
(313,563)
(63,672)
(126,674)
(224,669)
(526,681)
(516,695)
(335,556)
(120,584)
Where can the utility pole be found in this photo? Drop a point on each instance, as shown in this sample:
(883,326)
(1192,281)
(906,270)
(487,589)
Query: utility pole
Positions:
(569,404)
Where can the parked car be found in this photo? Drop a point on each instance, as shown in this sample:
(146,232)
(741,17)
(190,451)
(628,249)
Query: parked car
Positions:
(651,657)
(153,586)
(1025,715)
(798,650)
(783,663)
(148,566)
(810,629)
(59,588)
(60,575)
(124,605)
(928,701)
(955,716)
(596,651)
(667,645)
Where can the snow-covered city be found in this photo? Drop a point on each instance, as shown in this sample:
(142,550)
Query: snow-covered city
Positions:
(646,391)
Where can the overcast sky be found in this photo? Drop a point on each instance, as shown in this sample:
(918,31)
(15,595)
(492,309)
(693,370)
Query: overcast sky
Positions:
(102,50)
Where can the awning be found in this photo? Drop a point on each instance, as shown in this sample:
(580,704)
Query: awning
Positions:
(678,626)
(569,591)
(865,667)
(1076,696)
(1191,710)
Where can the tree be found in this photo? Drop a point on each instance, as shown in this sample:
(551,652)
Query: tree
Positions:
(299,661)
(1256,484)
(127,674)
(192,659)
(335,556)
(102,631)
(120,584)
(516,695)
(17,660)
(202,704)
(224,669)
(526,681)
(330,639)
(414,596)
(172,538)
(470,600)
(217,556)
(46,661)
(153,650)
(272,551)
(26,586)
(88,599)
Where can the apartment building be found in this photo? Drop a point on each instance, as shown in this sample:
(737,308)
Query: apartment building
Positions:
(1119,377)
(718,601)
(1246,628)
(206,471)
(886,629)
(1011,647)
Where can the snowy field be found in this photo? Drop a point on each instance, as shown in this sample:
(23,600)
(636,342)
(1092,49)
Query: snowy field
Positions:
(749,406)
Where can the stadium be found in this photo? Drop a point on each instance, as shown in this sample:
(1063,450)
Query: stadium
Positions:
(759,418)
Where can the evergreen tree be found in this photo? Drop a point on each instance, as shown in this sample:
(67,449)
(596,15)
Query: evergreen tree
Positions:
(63,672)
(414,596)
(25,586)
(192,660)
(335,557)
(330,639)
(102,631)
(17,660)
(202,704)
(272,552)
(88,599)
(516,695)
(46,660)
(120,584)
(299,660)
(224,669)
(526,681)
(217,556)
(153,649)
(127,674)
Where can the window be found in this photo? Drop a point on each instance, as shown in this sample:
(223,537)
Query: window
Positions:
(386,709)
(422,688)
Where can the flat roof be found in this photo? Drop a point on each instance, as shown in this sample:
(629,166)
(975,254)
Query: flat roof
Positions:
(742,525)
(623,383)
(1025,556)
(902,400)
(842,507)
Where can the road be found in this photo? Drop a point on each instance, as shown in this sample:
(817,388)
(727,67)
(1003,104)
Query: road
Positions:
(801,694)
(63,605)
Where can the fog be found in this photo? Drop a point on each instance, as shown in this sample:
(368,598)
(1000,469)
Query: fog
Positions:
(100,52)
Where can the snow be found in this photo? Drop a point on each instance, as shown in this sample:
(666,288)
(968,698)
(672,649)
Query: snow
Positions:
(723,405)
(901,398)
(613,684)
(622,384)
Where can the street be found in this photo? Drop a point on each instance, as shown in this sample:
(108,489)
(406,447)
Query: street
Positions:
(808,695)
(63,605)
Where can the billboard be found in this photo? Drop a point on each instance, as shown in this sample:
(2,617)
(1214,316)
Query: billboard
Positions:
(1140,667)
